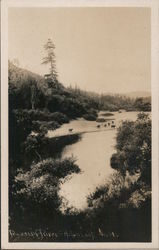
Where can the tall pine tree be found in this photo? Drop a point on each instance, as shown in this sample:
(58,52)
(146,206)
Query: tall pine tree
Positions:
(50,59)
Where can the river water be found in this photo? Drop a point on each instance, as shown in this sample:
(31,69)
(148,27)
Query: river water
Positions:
(92,154)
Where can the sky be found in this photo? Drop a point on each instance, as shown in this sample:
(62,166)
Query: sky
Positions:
(98,49)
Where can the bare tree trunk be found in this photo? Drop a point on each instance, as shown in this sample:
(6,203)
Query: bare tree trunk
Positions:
(38,155)
(33,95)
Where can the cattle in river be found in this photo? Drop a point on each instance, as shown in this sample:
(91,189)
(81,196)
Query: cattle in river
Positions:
(112,126)
(105,125)
(70,129)
(98,126)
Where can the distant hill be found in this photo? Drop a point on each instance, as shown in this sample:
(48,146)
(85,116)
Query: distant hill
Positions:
(136,94)
(132,95)
(28,90)
(17,75)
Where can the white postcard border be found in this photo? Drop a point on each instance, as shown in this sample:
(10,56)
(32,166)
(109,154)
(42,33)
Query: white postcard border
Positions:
(154,5)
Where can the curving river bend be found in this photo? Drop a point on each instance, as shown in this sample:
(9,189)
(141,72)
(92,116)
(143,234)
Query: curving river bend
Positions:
(92,154)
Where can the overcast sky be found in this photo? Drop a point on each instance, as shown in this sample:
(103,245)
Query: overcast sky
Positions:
(99,49)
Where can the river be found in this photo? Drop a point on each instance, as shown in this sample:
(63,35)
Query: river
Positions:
(92,154)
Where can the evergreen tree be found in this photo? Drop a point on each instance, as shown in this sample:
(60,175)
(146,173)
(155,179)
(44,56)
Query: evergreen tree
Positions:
(50,59)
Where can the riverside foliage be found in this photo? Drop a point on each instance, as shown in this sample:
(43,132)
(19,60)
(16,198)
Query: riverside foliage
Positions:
(123,205)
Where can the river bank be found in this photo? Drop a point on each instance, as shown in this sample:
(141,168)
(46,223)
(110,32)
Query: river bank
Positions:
(92,154)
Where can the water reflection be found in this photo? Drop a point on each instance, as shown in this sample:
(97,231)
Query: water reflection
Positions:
(93,153)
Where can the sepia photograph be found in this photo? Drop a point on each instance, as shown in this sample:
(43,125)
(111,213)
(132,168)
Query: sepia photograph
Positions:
(79,121)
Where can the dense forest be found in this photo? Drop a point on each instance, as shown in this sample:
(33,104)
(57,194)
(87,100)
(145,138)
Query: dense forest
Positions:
(36,170)
(32,91)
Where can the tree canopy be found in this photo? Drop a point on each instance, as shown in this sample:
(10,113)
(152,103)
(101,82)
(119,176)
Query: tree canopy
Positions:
(134,148)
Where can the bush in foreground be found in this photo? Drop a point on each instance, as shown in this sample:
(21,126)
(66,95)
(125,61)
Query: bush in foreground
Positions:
(123,204)
(35,201)
(134,148)
(123,207)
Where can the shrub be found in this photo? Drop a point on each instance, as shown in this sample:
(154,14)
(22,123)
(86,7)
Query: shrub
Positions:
(143,104)
(40,126)
(35,200)
(46,116)
(38,146)
(123,207)
(20,126)
(89,117)
(60,117)
(107,114)
(100,120)
(134,148)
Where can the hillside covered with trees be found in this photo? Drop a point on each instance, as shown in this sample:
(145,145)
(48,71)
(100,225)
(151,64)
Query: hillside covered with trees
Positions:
(32,91)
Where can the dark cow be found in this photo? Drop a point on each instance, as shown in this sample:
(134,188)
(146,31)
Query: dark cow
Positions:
(70,129)
(98,126)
